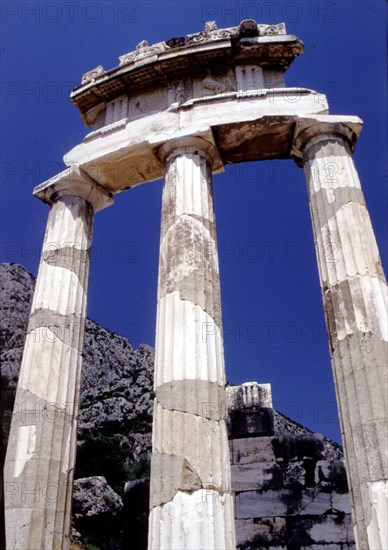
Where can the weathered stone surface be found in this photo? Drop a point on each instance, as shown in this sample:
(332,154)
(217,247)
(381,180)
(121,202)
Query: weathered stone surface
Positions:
(298,480)
(170,474)
(241,101)
(250,410)
(252,477)
(120,156)
(326,530)
(41,452)
(354,292)
(199,440)
(332,546)
(208,510)
(93,498)
(263,532)
(17,290)
(281,503)
(199,397)
(329,472)
(341,502)
(225,116)
(251,422)
(249,395)
(251,450)
(190,447)
(73,182)
(289,447)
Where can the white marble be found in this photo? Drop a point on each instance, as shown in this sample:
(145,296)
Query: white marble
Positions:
(191,501)
(40,457)
(355,300)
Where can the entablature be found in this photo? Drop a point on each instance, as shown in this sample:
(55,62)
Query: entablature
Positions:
(242,127)
(241,58)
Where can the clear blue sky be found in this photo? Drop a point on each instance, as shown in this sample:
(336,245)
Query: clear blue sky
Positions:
(273,319)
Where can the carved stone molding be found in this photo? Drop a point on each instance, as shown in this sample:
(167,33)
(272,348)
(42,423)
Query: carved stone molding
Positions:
(247,28)
(272,30)
(142,51)
(90,76)
(220,50)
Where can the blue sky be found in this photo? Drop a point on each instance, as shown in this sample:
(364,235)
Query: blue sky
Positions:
(272,311)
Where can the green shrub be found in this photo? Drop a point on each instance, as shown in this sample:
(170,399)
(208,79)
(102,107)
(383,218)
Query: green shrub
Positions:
(103,456)
(138,469)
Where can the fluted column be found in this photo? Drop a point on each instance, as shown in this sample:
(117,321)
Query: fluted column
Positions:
(42,441)
(191,506)
(355,302)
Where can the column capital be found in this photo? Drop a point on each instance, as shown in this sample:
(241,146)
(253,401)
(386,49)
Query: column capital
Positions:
(316,128)
(74,182)
(199,140)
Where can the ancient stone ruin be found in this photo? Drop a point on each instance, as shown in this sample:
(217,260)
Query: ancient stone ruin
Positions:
(289,483)
(181,110)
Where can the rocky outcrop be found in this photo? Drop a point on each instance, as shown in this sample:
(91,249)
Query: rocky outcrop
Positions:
(97,512)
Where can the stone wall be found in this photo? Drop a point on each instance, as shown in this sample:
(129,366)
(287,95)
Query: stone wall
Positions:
(289,483)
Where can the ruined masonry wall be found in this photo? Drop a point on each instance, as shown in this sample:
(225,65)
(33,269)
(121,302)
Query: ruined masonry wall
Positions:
(289,484)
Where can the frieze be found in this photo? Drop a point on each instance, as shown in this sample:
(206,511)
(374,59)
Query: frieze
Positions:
(214,48)
(179,91)
(92,114)
(219,84)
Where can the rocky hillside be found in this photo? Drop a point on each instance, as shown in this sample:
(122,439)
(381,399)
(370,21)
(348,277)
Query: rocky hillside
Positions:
(116,378)
(114,431)
(110,500)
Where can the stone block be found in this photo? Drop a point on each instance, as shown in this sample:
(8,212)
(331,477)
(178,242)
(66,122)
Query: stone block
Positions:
(294,475)
(253,477)
(340,502)
(260,531)
(331,473)
(322,471)
(250,450)
(288,447)
(251,504)
(328,530)
(251,422)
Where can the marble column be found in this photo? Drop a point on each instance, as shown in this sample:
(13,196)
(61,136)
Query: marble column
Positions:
(191,505)
(355,303)
(42,441)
